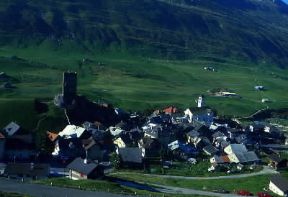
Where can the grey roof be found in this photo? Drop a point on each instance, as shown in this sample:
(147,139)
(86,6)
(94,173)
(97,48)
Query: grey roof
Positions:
(241,157)
(210,149)
(218,134)
(29,169)
(193,134)
(131,154)
(274,157)
(81,167)
(251,156)
(11,128)
(280,182)
(245,157)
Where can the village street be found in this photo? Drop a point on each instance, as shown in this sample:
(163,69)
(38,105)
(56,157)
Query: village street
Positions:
(37,190)
(178,190)
(265,170)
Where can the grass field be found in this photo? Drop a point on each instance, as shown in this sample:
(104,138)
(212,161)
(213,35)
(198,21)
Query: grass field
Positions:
(5,194)
(135,83)
(253,184)
(104,186)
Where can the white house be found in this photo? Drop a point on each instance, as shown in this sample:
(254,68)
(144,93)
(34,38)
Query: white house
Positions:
(11,128)
(72,131)
(188,113)
(279,185)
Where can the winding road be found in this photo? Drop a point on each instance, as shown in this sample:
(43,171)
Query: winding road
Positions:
(264,171)
(47,191)
(37,190)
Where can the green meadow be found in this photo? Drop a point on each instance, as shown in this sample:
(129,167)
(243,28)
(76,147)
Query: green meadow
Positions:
(134,83)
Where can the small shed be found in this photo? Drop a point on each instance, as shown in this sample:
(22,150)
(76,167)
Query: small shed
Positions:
(279,185)
(277,162)
(81,169)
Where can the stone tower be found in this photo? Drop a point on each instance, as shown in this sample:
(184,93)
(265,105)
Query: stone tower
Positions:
(69,87)
(200,102)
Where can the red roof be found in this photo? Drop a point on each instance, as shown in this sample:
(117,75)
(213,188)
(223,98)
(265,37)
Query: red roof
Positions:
(226,159)
(170,110)
(52,136)
(2,136)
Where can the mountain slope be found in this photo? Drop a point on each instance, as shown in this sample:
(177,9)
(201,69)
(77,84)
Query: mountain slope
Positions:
(249,30)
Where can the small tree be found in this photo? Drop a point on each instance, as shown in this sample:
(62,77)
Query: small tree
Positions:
(115,160)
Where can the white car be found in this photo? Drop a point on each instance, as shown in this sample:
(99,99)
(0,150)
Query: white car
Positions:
(192,161)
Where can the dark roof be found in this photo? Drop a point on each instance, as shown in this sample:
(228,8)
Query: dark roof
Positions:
(274,157)
(218,134)
(210,149)
(193,133)
(150,143)
(81,167)
(29,169)
(280,182)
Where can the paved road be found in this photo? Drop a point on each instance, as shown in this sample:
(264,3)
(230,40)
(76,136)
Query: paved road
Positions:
(36,190)
(276,146)
(265,170)
(178,190)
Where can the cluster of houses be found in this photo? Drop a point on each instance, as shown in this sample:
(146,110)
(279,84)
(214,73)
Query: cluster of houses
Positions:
(88,149)
(169,135)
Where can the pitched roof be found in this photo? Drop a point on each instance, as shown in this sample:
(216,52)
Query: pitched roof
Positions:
(235,148)
(170,110)
(274,157)
(280,182)
(88,143)
(221,159)
(130,154)
(27,169)
(193,133)
(225,158)
(210,149)
(251,156)
(72,131)
(218,134)
(80,166)
(244,157)
(2,136)
(11,128)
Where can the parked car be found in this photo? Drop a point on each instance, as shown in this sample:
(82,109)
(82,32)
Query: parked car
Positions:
(244,193)
(263,194)
(221,190)
(192,161)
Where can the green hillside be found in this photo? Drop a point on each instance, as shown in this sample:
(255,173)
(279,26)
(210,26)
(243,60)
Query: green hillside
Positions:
(246,29)
(143,54)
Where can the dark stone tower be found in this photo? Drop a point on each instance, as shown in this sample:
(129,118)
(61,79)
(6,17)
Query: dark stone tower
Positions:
(69,90)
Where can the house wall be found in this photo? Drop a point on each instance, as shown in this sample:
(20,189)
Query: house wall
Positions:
(77,176)
(233,158)
(188,114)
(119,142)
(2,148)
(275,189)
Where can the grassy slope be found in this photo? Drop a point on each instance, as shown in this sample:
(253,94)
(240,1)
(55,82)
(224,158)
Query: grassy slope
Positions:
(136,83)
(5,194)
(253,184)
(98,185)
